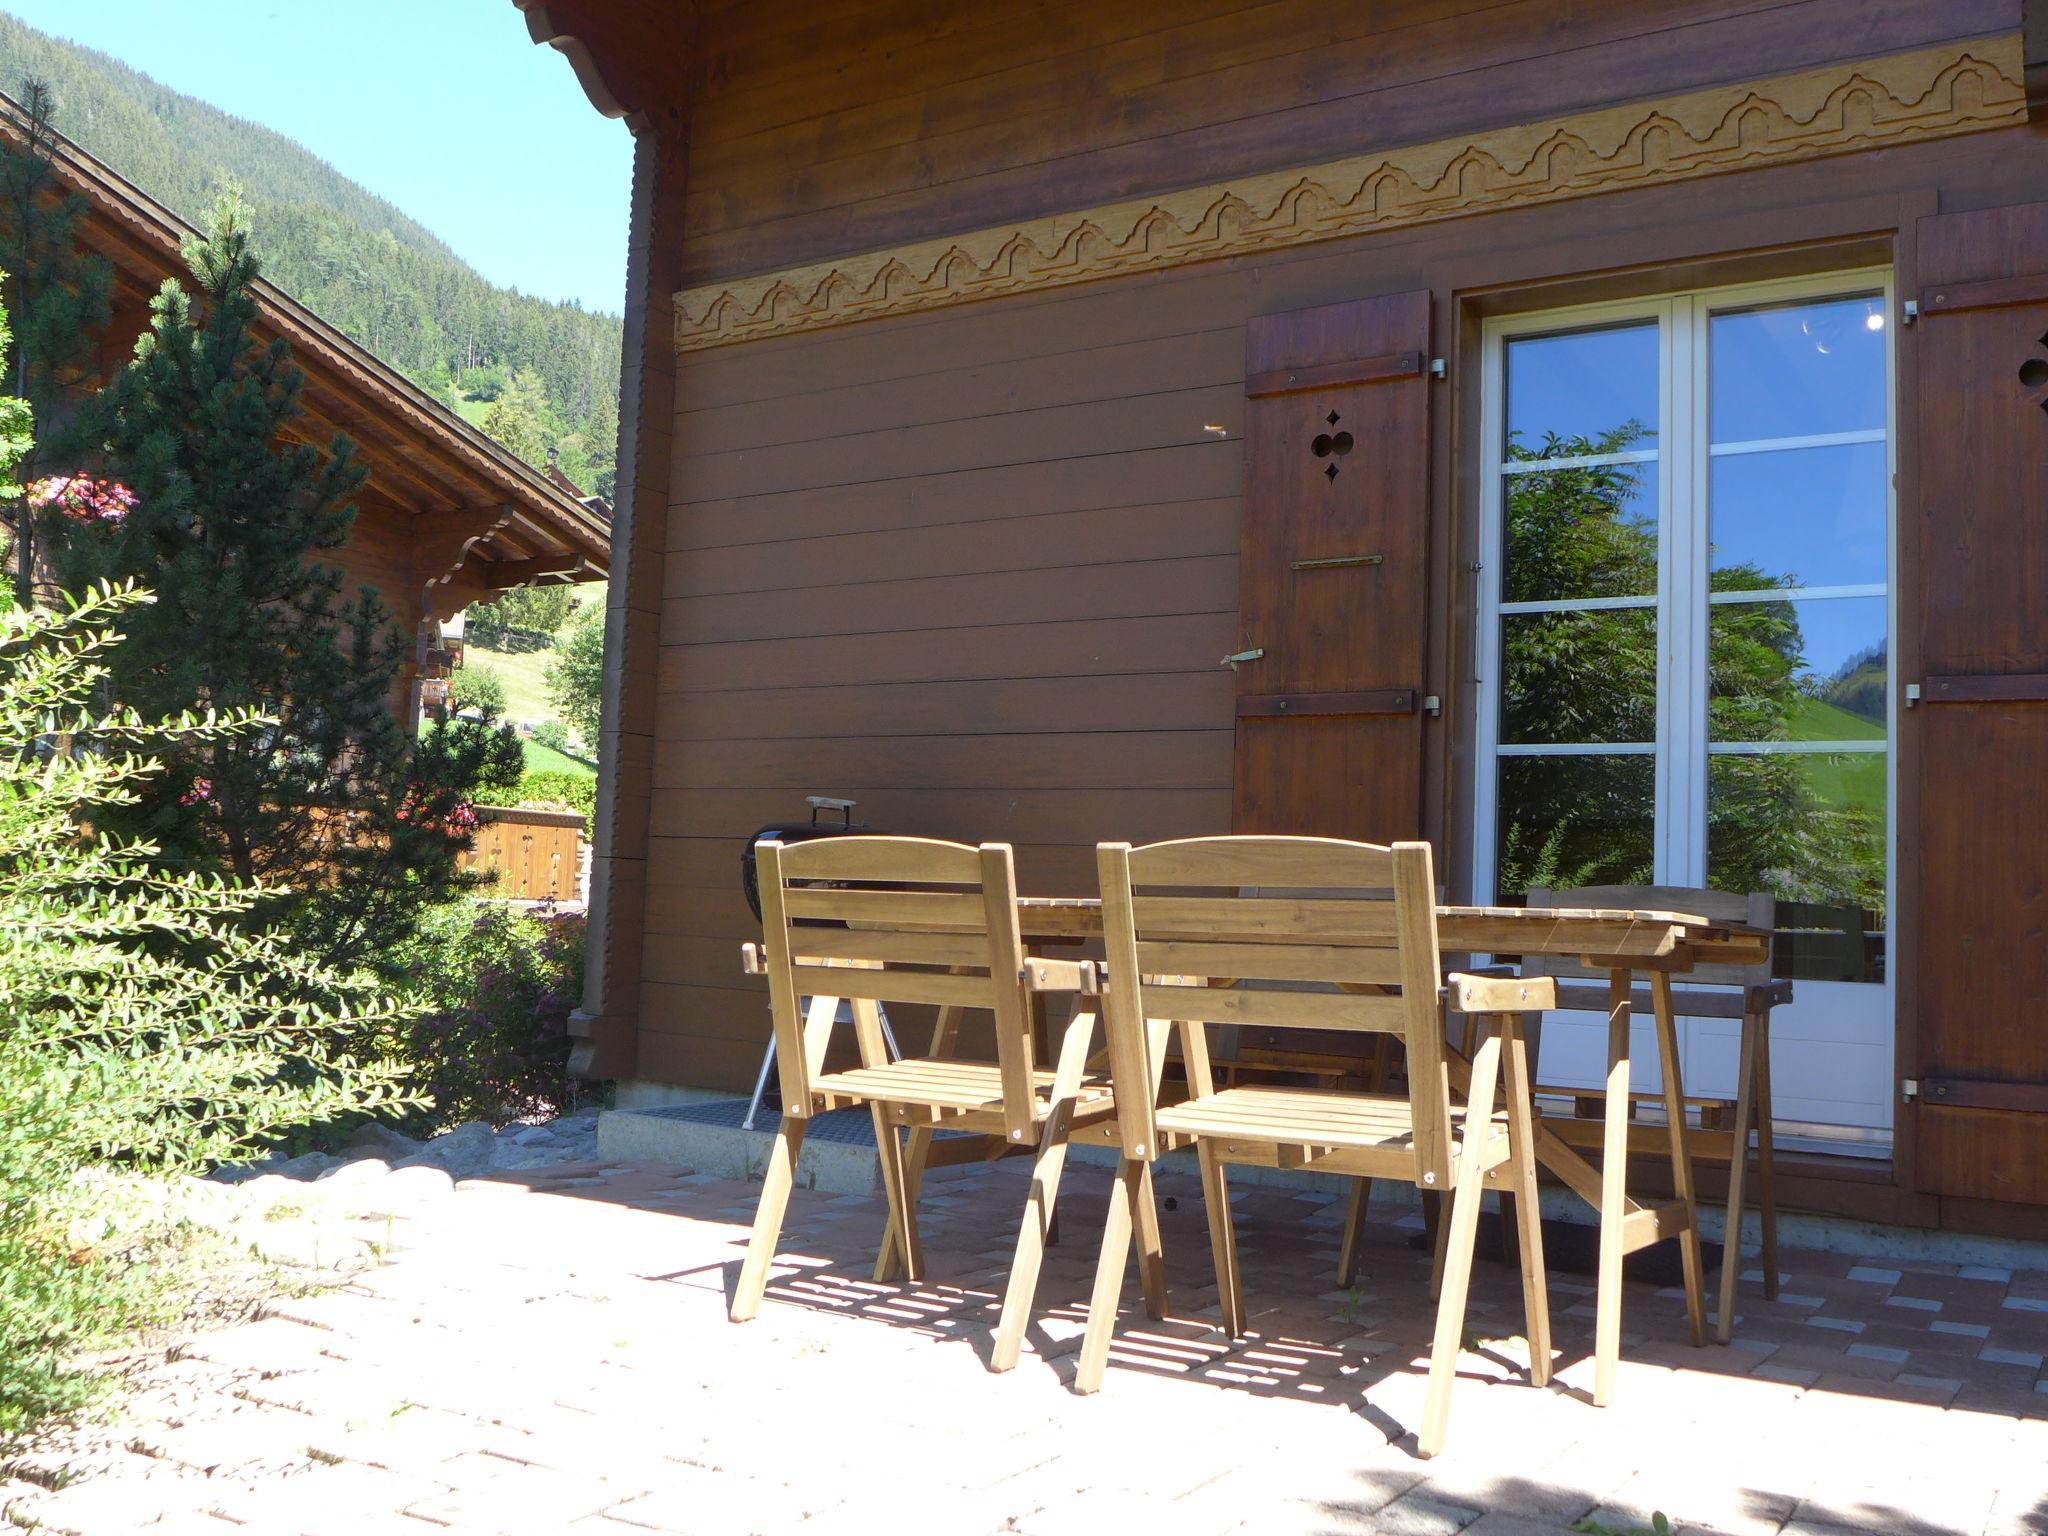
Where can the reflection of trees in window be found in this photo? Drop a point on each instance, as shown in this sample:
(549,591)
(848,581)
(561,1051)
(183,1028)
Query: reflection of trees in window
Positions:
(1806,826)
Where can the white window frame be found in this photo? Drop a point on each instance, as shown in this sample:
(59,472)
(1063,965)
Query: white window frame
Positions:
(1682,564)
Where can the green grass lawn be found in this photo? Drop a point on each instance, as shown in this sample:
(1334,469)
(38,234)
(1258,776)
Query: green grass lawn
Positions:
(540,759)
(525,677)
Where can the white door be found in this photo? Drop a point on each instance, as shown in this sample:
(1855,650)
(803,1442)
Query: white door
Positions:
(1683,662)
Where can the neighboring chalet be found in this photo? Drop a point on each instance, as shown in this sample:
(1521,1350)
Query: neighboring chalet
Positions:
(1608,438)
(447,516)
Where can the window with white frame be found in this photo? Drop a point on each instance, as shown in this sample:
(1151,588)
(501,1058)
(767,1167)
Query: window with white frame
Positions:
(1685,622)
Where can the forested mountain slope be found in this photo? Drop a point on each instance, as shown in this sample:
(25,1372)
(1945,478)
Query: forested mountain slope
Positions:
(352,257)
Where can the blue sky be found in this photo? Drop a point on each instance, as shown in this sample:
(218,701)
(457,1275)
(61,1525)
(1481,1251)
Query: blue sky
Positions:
(442,106)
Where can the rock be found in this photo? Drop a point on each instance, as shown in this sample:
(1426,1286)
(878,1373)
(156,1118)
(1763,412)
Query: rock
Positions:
(569,1122)
(381,1141)
(508,1157)
(362,1171)
(268,1189)
(309,1165)
(459,1153)
(527,1135)
(416,1184)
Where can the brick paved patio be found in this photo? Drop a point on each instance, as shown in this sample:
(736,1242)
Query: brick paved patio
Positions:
(551,1355)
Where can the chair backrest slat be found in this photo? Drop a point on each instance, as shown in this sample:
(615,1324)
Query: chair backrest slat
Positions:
(894,920)
(1279,962)
(1181,916)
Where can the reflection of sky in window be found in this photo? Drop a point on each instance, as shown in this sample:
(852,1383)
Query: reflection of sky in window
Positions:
(1833,630)
(1810,516)
(1582,384)
(1797,370)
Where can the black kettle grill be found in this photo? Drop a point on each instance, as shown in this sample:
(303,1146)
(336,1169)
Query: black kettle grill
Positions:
(750,882)
(796,832)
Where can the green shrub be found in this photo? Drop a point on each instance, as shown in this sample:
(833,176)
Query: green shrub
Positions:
(558,791)
(552,733)
(498,985)
(143,1023)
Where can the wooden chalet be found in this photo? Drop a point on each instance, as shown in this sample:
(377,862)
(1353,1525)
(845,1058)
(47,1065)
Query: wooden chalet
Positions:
(447,516)
(1606,437)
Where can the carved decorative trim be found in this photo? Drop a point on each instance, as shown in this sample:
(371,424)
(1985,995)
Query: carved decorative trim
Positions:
(1930,93)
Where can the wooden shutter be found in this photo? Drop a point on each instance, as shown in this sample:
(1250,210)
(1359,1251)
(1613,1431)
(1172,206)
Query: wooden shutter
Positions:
(1979,534)
(1333,571)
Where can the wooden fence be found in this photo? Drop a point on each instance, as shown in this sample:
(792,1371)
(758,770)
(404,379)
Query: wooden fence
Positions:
(534,855)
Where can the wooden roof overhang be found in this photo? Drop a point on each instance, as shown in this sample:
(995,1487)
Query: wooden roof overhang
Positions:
(475,519)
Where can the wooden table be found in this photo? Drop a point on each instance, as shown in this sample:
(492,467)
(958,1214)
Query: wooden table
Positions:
(1660,944)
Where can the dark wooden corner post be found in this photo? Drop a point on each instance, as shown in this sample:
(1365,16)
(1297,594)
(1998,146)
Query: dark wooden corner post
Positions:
(630,60)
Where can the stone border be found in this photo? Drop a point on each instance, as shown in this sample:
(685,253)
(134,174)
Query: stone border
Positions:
(1929,93)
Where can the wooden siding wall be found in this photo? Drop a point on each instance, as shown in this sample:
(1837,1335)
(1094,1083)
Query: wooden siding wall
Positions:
(976,568)
(821,129)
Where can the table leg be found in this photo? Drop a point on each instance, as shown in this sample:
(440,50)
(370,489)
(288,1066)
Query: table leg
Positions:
(1681,1155)
(889,1262)
(1613,1193)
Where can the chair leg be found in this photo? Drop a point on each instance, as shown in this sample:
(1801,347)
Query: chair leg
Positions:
(1442,1240)
(1032,1241)
(902,1203)
(1151,1248)
(1460,1218)
(1109,1277)
(1222,1240)
(1766,1168)
(775,1186)
(1354,1230)
(1738,1171)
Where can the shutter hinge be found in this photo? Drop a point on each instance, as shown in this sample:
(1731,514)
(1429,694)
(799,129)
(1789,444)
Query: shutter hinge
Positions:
(1909,1088)
(1437,368)
(1909,311)
(1432,704)
(1912,694)
(1235,657)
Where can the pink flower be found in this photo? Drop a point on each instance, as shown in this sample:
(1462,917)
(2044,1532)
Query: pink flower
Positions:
(201,790)
(82,498)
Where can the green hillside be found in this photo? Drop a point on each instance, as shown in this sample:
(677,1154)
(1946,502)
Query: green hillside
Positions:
(349,255)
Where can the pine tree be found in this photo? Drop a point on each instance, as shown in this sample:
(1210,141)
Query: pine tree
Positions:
(518,418)
(58,293)
(333,800)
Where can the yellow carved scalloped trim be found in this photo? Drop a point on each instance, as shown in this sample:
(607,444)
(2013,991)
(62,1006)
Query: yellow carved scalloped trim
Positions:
(1925,94)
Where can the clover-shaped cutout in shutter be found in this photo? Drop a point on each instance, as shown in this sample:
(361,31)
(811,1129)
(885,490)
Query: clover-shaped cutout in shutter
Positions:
(2033,375)
(1332,447)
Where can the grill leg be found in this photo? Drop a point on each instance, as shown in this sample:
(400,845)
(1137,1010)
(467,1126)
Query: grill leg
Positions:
(761,1083)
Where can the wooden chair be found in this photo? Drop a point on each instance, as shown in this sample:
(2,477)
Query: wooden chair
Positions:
(1222,957)
(912,920)
(1745,992)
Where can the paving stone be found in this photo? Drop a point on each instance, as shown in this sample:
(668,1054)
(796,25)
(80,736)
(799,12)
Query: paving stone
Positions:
(1873,1276)
(1916,1303)
(2028,1358)
(1960,1330)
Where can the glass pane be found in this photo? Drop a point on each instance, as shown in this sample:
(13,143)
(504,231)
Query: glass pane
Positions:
(1569,821)
(1808,827)
(1807,671)
(1579,677)
(1806,517)
(1581,533)
(1582,392)
(1795,370)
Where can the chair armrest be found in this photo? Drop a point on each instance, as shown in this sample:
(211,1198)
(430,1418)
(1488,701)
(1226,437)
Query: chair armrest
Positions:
(1043,975)
(1772,994)
(752,962)
(1500,994)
